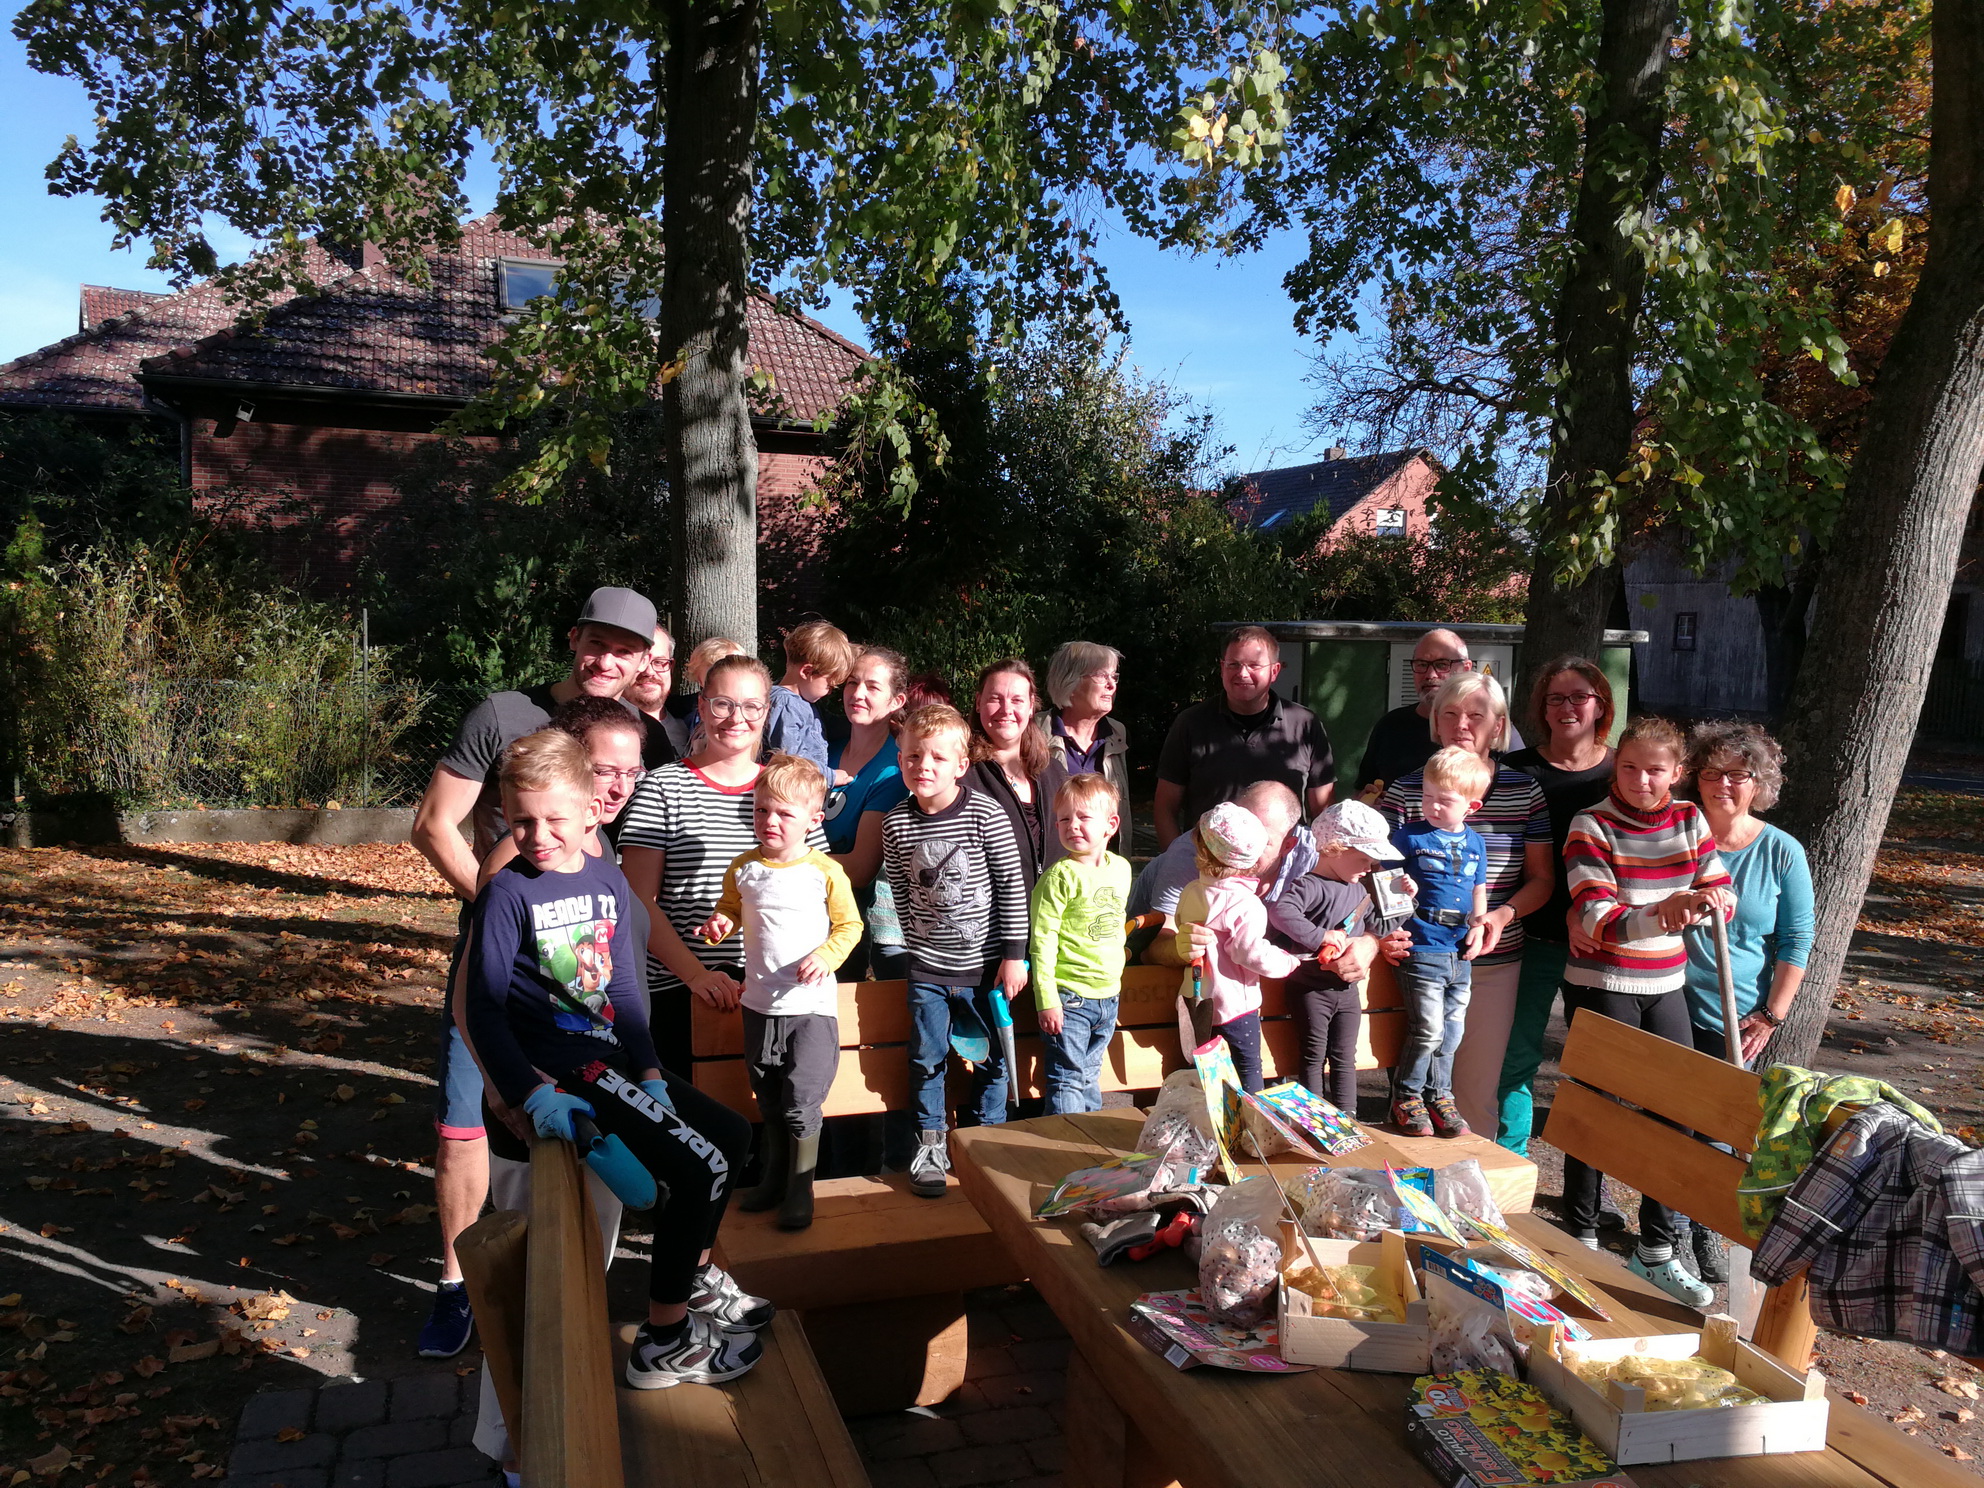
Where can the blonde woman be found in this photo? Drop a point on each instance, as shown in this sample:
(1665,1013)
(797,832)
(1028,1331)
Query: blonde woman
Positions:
(1082,739)
(1471,712)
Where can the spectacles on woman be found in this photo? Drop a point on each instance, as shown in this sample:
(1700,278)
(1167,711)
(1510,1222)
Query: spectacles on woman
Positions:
(1729,777)
(1570,699)
(721,708)
(606,772)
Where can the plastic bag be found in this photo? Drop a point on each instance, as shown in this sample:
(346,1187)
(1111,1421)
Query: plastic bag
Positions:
(1240,1253)
(1516,1283)
(1467,1333)
(1462,1188)
(1343,1203)
(1178,1132)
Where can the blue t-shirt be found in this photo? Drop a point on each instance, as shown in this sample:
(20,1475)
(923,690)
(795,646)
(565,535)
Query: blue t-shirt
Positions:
(876,786)
(1773,923)
(540,943)
(1447,866)
(791,725)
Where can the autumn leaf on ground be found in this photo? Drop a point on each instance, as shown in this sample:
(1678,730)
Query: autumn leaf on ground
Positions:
(1908,1414)
(1949,1384)
(148,1366)
(52,1463)
(291,1433)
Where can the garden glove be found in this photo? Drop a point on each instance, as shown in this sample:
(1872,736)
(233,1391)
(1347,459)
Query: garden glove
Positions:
(551,1111)
(659,1090)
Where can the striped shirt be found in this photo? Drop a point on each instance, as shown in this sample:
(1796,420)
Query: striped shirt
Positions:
(1513,816)
(700,828)
(1622,863)
(959,887)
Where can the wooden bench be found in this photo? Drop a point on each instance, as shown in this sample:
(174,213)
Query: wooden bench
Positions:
(538,1285)
(1645,1110)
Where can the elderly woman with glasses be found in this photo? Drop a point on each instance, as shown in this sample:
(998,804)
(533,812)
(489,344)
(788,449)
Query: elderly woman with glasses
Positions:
(685,825)
(1082,739)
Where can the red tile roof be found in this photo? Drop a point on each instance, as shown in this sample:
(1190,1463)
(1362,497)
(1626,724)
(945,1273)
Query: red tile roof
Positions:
(370,331)
(101,303)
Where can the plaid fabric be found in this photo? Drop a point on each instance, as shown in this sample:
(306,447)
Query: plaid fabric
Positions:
(1795,1104)
(1872,1217)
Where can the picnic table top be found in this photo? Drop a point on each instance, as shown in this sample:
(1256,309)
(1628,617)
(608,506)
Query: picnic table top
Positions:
(1327,1428)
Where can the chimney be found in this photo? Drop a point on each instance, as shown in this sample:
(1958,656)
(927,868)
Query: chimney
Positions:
(1336,452)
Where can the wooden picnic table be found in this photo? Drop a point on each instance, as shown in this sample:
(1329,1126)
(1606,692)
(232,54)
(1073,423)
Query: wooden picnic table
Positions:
(1133,1421)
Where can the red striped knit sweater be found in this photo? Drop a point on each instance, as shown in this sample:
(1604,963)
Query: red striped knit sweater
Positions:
(1621,861)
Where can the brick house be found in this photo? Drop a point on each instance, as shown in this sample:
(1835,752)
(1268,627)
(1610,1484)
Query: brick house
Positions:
(1385,494)
(324,399)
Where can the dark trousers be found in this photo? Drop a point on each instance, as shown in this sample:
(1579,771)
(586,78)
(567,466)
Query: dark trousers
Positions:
(1665,1015)
(1243,1038)
(695,1153)
(792,1062)
(1330,1019)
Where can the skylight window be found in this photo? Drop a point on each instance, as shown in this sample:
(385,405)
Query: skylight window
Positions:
(519,281)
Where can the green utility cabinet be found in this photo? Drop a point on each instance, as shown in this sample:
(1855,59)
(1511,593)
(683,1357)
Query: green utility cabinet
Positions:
(1351,672)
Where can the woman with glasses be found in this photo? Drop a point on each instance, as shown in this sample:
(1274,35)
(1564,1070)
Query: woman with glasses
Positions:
(1571,707)
(1082,739)
(686,823)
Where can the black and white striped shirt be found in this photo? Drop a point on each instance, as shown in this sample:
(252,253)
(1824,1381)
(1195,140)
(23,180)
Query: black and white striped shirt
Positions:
(959,887)
(700,828)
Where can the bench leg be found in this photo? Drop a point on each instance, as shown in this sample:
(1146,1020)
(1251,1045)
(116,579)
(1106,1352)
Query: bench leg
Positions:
(1785,1329)
(1105,1448)
(888,1356)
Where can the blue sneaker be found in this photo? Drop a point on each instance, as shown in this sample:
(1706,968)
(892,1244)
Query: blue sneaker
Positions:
(449,1325)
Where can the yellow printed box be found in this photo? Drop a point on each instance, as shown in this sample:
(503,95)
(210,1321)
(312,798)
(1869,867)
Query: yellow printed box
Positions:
(1479,1429)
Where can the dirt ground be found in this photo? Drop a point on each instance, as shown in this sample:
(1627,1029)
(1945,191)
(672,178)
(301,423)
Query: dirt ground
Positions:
(216,1095)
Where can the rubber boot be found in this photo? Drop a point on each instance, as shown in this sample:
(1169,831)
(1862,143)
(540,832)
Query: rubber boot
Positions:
(774,1166)
(796,1213)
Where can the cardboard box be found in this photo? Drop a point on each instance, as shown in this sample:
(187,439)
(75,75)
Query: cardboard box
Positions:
(1618,1420)
(1354,1343)
(1478,1429)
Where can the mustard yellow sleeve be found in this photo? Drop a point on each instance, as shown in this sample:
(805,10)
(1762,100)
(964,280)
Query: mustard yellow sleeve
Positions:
(843,914)
(730,903)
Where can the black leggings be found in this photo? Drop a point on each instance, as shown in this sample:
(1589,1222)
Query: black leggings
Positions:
(1330,1019)
(1665,1015)
(694,1153)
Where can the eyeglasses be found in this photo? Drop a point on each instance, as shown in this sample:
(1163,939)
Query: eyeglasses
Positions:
(721,708)
(607,772)
(1570,699)
(1439,666)
(1731,777)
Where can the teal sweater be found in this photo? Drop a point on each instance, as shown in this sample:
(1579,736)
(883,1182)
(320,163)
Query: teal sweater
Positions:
(1773,923)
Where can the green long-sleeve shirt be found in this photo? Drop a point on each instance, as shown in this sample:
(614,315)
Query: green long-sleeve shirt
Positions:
(1078,929)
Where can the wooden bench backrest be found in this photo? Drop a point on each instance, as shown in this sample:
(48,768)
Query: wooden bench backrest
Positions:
(1606,1063)
(874,1036)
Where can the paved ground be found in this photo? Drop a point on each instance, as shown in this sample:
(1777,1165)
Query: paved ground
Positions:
(406,1433)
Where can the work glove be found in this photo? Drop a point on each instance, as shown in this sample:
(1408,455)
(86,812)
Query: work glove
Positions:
(659,1090)
(551,1111)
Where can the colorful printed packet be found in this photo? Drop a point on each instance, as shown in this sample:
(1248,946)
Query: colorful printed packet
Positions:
(1326,1126)
(1176,1327)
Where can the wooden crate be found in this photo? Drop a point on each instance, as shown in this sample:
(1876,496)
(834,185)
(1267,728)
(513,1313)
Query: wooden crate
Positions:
(1793,1421)
(1351,1343)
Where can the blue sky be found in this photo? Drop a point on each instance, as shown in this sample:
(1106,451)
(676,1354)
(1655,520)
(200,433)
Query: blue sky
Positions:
(1218,330)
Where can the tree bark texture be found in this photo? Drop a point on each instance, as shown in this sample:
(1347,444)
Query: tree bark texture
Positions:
(1888,569)
(1597,323)
(712,104)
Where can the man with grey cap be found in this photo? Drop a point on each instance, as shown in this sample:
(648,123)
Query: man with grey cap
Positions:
(610,644)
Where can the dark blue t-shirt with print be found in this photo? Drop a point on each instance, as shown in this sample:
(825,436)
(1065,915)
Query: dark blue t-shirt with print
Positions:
(1447,866)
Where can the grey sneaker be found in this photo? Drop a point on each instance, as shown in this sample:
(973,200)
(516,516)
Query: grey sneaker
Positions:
(703,1354)
(930,1165)
(715,1294)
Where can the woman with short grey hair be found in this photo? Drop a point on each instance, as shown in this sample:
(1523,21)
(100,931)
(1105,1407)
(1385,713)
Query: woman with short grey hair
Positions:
(1082,739)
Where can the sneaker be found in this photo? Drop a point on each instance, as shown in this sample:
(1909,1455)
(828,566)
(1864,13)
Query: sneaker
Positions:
(1409,1116)
(449,1325)
(703,1353)
(1587,1238)
(1674,1279)
(930,1166)
(1447,1120)
(715,1294)
(1711,1262)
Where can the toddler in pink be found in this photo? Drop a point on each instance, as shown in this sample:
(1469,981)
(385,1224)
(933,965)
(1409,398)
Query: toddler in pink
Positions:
(1226,899)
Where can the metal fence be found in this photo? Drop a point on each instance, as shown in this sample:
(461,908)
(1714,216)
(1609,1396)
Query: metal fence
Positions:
(1953,710)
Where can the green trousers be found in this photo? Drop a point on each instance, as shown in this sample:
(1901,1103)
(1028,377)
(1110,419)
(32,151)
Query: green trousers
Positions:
(1536,994)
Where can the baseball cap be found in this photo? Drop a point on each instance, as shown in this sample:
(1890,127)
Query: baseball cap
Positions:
(1234,835)
(622,609)
(1353,824)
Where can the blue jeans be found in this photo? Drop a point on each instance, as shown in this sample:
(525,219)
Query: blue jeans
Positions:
(1074,1058)
(1435,985)
(930,1048)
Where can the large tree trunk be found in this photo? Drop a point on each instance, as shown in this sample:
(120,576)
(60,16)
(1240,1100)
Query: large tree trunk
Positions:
(1887,573)
(1597,325)
(712,102)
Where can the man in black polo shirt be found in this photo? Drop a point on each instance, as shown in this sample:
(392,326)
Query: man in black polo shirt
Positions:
(1402,740)
(1218,748)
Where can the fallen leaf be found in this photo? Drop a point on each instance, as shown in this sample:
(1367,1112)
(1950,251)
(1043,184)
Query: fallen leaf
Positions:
(148,1366)
(379,1258)
(1907,1414)
(343,1093)
(51,1463)
(12,1299)
(1856,1397)
(1949,1384)
(51,1230)
(1958,1453)
(186,1353)
(291,1433)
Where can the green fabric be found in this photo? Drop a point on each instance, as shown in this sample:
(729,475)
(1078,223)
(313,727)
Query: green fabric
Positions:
(1796,1103)
(1078,930)
(1543,963)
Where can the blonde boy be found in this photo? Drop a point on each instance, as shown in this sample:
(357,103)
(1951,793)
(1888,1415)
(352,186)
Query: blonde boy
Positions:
(800,922)
(818,658)
(960,893)
(1078,944)
(1448,862)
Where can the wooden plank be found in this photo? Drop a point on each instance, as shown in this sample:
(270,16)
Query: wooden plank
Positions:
(1710,1096)
(1785,1329)
(571,1438)
(1649,1156)
(1892,1456)
(871,1240)
(493,1253)
(890,1356)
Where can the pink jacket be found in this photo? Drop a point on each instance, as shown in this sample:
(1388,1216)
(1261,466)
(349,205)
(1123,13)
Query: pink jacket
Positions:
(1231,975)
